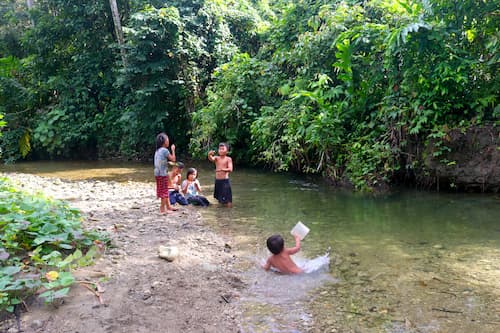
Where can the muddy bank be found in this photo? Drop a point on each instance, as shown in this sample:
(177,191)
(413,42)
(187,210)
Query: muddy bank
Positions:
(463,160)
(141,292)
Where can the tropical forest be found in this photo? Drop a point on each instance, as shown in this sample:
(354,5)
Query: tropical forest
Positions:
(375,122)
(360,92)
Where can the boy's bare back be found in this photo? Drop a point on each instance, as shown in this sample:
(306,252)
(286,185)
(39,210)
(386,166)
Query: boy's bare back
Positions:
(283,262)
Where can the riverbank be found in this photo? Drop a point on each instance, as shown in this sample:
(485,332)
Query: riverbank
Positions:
(139,292)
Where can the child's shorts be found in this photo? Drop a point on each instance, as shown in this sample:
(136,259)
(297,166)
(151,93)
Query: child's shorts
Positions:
(162,187)
(222,191)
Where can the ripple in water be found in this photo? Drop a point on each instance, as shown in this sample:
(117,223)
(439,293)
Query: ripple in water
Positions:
(276,302)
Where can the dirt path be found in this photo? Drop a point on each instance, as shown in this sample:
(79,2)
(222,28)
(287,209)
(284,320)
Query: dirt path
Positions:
(197,292)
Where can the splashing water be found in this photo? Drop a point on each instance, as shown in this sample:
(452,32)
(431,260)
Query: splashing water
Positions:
(276,302)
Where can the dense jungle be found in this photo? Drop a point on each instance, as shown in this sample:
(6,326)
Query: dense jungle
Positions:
(365,93)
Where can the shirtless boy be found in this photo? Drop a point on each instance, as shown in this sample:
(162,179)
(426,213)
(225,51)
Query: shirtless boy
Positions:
(281,259)
(223,166)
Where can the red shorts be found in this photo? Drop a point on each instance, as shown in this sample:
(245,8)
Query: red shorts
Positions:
(162,187)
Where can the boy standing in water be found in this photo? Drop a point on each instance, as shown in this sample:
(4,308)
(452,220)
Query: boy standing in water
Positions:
(223,166)
(280,259)
(162,156)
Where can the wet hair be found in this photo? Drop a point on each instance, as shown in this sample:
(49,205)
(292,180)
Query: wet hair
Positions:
(191,171)
(224,144)
(160,140)
(275,244)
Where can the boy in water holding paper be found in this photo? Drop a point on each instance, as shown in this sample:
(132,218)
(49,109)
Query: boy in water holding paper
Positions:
(281,259)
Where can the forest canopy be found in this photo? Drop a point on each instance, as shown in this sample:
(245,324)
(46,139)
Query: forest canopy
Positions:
(347,89)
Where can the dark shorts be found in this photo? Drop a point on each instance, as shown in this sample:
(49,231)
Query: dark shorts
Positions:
(222,191)
(162,187)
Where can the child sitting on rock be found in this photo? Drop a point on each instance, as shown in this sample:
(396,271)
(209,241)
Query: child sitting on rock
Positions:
(281,260)
(192,189)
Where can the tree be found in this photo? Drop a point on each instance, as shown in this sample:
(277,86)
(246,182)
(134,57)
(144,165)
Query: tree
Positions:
(118,29)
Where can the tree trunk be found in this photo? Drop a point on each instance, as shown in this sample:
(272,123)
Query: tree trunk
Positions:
(118,29)
(29,4)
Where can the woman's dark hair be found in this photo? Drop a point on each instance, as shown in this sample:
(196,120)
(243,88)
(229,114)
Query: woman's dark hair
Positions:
(190,172)
(160,139)
(275,244)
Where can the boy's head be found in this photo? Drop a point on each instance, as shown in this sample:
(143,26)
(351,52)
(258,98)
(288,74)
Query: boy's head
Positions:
(275,244)
(223,148)
(177,166)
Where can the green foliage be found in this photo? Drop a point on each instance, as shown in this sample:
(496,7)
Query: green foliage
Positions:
(232,106)
(338,87)
(38,236)
(72,72)
(15,101)
(157,55)
(362,80)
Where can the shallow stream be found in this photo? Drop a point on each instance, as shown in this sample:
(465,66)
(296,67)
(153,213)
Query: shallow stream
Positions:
(408,261)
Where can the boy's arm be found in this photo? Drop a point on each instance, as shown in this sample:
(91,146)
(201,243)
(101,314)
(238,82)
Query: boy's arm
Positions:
(267,265)
(171,180)
(211,156)
(296,248)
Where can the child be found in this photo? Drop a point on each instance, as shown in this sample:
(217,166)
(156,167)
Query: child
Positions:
(223,166)
(192,189)
(175,176)
(161,158)
(280,259)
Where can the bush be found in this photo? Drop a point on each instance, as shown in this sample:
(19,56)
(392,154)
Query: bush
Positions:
(41,240)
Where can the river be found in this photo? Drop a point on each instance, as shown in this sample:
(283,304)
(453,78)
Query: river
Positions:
(409,261)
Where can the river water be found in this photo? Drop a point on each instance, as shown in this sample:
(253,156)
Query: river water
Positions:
(409,261)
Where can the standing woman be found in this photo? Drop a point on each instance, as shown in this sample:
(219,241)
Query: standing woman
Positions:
(162,156)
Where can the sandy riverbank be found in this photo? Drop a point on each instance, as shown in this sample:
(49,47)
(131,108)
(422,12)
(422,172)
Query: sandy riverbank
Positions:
(197,292)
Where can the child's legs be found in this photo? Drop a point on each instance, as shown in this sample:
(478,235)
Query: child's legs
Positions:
(163,205)
(172,199)
(204,201)
(181,199)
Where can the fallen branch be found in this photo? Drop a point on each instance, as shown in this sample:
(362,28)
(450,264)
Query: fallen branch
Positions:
(353,312)
(449,293)
(446,310)
(92,289)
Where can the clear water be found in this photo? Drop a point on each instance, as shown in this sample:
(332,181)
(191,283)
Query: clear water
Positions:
(395,258)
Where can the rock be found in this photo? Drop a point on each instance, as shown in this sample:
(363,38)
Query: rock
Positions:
(156,284)
(169,253)
(36,324)
(208,267)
